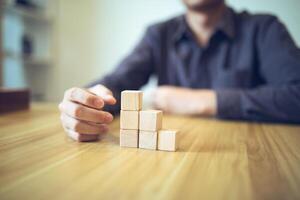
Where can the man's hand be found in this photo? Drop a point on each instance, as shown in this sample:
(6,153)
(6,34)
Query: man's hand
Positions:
(81,112)
(178,100)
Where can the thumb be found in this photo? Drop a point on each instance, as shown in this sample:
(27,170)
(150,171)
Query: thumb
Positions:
(104,93)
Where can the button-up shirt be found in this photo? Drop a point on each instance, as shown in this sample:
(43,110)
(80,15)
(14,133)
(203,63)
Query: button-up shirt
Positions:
(250,61)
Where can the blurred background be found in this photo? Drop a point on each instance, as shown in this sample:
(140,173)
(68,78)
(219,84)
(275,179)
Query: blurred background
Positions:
(51,45)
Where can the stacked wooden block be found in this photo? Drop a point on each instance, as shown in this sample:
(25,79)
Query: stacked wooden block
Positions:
(143,128)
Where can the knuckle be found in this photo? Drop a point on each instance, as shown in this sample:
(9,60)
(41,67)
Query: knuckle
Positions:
(70,92)
(63,107)
(73,91)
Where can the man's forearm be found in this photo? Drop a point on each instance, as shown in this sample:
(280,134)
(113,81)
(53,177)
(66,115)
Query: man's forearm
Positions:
(180,100)
(261,104)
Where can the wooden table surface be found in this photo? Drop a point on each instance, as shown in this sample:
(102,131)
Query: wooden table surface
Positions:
(215,160)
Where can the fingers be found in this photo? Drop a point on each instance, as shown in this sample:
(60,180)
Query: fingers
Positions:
(81,137)
(82,117)
(85,113)
(81,126)
(84,97)
(104,93)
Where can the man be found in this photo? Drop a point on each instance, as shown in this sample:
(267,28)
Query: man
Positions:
(212,61)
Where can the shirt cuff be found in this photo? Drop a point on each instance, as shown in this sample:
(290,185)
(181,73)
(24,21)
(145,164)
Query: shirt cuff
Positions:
(229,104)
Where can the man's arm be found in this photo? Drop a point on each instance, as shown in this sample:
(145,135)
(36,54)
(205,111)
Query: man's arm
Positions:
(279,98)
(133,72)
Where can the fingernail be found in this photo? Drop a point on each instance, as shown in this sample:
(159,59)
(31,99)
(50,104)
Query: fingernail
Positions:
(109,117)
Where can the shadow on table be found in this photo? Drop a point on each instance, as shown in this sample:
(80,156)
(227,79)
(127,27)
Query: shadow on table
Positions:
(112,138)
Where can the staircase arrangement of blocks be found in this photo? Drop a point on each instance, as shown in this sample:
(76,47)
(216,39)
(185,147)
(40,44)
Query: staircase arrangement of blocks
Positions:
(143,128)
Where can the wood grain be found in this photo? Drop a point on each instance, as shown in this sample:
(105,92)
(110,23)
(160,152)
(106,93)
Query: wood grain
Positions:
(215,160)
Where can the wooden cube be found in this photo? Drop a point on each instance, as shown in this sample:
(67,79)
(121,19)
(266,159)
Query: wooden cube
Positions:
(148,140)
(129,138)
(131,100)
(167,140)
(150,120)
(129,119)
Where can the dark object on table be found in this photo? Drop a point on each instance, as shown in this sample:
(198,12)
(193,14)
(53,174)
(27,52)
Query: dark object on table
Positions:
(27,45)
(14,99)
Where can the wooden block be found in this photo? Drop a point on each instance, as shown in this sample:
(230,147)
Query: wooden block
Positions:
(129,138)
(131,100)
(148,140)
(129,119)
(150,120)
(167,140)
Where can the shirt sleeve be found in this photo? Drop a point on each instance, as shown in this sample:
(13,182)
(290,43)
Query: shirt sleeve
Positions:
(279,98)
(133,72)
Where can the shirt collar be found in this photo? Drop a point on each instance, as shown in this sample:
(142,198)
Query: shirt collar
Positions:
(226,25)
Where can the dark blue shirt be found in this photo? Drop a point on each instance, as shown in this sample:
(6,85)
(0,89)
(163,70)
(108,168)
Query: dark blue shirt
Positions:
(250,61)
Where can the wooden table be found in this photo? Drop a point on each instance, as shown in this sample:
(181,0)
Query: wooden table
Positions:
(215,160)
